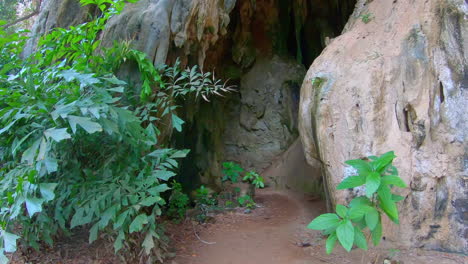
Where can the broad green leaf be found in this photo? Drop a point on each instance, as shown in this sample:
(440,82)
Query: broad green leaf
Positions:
(397,198)
(114,80)
(180,154)
(149,201)
(110,127)
(394,180)
(107,215)
(30,153)
(118,243)
(331,241)
(57,134)
(148,243)
(158,189)
(78,218)
(361,166)
(33,205)
(7,127)
(324,221)
(177,123)
(159,153)
(377,233)
(3,258)
(51,164)
(9,241)
(351,182)
(383,161)
(84,122)
(43,148)
(345,233)
(82,78)
(118,89)
(137,223)
(47,191)
(341,210)
(21,142)
(387,204)
(372,183)
(163,174)
(121,219)
(93,233)
(372,218)
(360,239)
(357,211)
(360,200)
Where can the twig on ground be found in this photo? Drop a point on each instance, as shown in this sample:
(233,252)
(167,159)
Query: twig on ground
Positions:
(201,240)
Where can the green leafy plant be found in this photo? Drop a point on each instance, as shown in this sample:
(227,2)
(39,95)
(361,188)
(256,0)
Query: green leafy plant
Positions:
(231,171)
(205,203)
(366,18)
(246,201)
(229,204)
(203,196)
(79,146)
(255,179)
(348,225)
(178,202)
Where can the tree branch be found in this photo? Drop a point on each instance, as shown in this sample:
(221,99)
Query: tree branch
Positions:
(35,12)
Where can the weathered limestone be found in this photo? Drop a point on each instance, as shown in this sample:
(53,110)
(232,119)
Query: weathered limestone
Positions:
(398,83)
(264,123)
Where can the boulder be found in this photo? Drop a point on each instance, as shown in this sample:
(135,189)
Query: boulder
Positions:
(398,82)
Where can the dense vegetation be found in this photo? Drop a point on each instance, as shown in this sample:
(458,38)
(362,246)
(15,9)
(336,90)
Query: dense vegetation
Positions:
(80,146)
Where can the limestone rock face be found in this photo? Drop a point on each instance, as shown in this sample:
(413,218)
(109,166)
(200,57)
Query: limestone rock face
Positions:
(399,82)
(264,123)
(151,25)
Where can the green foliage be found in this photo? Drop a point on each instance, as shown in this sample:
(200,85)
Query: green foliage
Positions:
(79,146)
(317,81)
(366,18)
(205,202)
(246,201)
(203,196)
(348,225)
(254,179)
(178,202)
(231,171)
(8,9)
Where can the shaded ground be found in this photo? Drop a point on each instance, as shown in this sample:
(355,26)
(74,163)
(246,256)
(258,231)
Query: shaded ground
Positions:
(275,233)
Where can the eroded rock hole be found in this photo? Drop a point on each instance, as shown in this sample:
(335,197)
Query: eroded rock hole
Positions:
(441,92)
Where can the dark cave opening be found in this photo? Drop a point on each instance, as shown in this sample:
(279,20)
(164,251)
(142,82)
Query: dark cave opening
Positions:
(296,30)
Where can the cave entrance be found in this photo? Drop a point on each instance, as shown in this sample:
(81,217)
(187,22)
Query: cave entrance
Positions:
(268,48)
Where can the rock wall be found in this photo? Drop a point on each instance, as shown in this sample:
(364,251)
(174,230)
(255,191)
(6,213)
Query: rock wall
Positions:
(263,123)
(399,82)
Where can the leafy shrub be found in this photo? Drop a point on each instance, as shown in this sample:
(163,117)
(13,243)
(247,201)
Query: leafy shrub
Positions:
(348,225)
(205,203)
(79,146)
(246,201)
(203,196)
(231,171)
(255,179)
(366,18)
(178,202)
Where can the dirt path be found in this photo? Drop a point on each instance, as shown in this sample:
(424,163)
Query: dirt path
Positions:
(275,233)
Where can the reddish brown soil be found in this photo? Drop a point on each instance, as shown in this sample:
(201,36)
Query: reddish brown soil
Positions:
(275,233)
